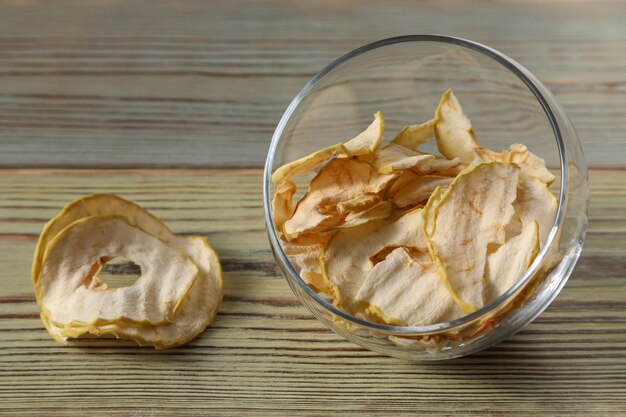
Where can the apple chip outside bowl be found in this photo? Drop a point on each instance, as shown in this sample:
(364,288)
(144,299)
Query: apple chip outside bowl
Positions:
(404,79)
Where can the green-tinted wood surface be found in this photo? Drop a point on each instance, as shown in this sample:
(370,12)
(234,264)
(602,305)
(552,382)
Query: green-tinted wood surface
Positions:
(266,352)
(136,76)
(126,79)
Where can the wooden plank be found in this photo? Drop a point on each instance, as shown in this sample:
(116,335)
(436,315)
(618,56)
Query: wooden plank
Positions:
(192,84)
(266,352)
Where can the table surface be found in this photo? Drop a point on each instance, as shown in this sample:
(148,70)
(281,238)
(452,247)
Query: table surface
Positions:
(102,79)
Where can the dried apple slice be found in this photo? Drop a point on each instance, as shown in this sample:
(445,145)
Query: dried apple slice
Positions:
(403,290)
(411,189)
(347,258)
(306,163)
(453,130)
(379,211)
(358,203)
(97,205)
(282,204)
(367,142)
(320,238)
(291,248)
(413,136)
(307,262)
(440,166)
(305,258)
(340,180)
(193,311)
(510,261)
(472,214)
(530,163)
(201,301)
(535,202)
(518,154)
(395,157)
(197,310)
(167,275)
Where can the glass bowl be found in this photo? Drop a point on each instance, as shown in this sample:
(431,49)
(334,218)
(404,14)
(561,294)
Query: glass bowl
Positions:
(404,77)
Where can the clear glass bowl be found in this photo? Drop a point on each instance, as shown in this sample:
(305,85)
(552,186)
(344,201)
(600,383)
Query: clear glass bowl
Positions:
(404,77)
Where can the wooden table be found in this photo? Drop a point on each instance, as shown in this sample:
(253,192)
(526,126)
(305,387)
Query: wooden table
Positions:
(190,92)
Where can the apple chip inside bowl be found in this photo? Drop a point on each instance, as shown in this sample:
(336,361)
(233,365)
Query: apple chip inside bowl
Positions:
(408,238)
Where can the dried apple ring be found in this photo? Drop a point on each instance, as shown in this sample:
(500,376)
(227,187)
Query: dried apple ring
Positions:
(166,275)
(97,205)
(197,310)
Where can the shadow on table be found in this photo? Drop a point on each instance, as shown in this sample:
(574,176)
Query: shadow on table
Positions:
(517,368)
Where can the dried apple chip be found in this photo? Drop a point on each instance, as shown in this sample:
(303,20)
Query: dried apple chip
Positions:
(453,130)
(307,262)
(358,203)
(193,311)
(347,258)
(469,216)
(367,142)
(305,258)
(305,164)
(97,205)
(518,154)
(197,310)
(407,291)
(167,275)
(340,180)
(379,211)
(530,163)
(413,136)
(395,157)
(412,189)
(535,202)
(320,238)
(412,238)
(440,166)
(282,204)
(510,261)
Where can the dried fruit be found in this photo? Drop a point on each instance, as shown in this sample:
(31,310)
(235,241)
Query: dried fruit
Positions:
(174,299)
(378,211)
(406,290)
(97,205)
(530,164)
(341,180)
(367,142)
(66,296)
(395,157)
(402,237)
(535,202)
(347,258)
(453,130)
(510,261)
(282,205)
(471,215)
(412,189)
(413,136)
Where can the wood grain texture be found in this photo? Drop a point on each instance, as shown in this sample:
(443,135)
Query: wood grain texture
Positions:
(266,352)
(154,83)
(81,78)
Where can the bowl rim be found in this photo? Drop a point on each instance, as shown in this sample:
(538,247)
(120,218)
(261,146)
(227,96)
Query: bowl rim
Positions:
(537,89)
